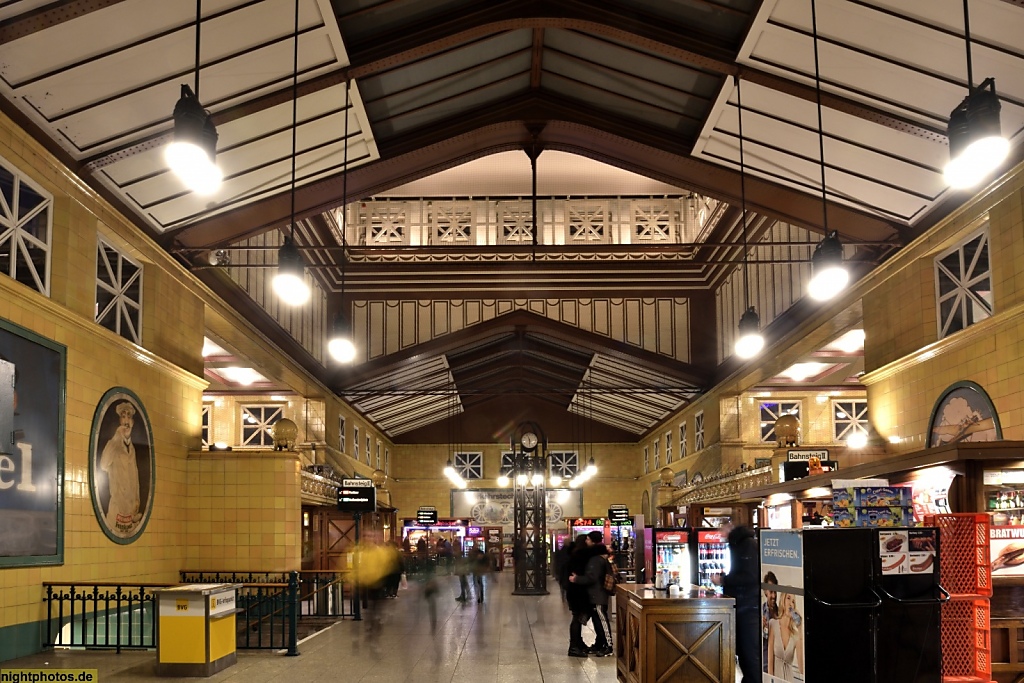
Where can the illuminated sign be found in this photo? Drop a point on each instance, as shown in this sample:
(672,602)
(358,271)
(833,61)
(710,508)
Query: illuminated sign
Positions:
(357,495)
(426,516)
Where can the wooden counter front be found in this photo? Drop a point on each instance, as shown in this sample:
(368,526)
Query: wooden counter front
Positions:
(688,639)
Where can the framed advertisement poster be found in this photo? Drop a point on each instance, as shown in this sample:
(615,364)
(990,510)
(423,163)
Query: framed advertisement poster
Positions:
(31,448)
(964,412)
(122,468)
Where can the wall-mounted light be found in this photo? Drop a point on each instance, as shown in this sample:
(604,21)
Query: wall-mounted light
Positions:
(503,480)
(219,446)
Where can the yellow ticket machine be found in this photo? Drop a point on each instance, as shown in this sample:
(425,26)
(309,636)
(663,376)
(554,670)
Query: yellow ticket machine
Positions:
(196,629)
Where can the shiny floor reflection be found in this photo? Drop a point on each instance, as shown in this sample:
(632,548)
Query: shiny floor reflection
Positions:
(504,639)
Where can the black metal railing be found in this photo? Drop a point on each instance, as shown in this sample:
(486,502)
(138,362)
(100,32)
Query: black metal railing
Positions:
(320,593)
(267,604)
(109,616)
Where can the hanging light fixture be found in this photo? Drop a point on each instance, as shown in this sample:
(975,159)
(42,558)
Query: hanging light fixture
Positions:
(340,344)
(290,281)
(976,144)
(828,274)
(192,153)
(750,341)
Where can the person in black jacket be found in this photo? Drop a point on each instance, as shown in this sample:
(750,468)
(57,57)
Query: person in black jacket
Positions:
(598,568)
(577,596)
(742,583)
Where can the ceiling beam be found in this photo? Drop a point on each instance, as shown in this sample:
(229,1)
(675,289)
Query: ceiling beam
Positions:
(661,40)
(48,16)
(431,156)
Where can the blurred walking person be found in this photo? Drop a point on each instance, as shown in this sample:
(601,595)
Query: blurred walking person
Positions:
(479,565)
(594,579)
(577,597)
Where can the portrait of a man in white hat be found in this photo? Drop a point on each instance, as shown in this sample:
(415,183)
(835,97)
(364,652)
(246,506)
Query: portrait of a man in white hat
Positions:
(118,460)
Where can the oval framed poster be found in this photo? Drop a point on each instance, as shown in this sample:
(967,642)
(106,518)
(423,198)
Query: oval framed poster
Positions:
(122,467)
(964,412)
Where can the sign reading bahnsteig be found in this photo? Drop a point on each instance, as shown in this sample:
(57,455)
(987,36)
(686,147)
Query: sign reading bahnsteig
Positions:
(357,495)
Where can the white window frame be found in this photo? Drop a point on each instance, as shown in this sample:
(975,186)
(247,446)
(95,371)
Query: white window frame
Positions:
(369,449)
(387,461)
(378,460)
(355,442)
(767,426)
(971,306)
(121,304)
(565,464)
(854,418)
(698,431)
(682,440)
(341,433)
(647,459)
(657,454)
(17,238)
(207,416)
(269,413)
(469,465)
(508,462)
(668,448)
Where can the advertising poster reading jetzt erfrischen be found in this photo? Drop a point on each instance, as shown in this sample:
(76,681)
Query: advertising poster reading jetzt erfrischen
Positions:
(782,606)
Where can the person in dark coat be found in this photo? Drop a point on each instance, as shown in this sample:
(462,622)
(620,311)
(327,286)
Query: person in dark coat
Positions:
(577,596)
(598,568)
(742,583)
(559,565)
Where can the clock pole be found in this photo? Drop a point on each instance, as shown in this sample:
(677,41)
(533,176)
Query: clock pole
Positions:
(530,448)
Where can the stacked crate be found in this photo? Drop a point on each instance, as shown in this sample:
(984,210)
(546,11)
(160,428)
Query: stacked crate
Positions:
(965,572)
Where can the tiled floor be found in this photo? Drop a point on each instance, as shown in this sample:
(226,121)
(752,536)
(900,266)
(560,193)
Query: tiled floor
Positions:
(506,639)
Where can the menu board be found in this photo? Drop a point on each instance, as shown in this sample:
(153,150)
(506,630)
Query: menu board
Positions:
(907,551)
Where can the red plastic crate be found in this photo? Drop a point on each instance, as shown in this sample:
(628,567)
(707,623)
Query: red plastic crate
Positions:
(966,639)
(964,563)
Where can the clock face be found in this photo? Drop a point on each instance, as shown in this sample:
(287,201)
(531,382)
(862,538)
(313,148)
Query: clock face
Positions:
(529,441)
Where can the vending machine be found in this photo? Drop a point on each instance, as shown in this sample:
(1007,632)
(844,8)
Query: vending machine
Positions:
(709,557)
(672,554)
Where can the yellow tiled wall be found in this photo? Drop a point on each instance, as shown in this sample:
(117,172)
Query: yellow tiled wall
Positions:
(909,368)
(243,511)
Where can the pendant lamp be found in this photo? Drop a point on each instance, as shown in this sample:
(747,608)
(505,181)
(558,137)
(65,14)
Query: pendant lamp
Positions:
(976,144)
(750,340)
(340,344)
(191,155)
(290,281)
(829,275)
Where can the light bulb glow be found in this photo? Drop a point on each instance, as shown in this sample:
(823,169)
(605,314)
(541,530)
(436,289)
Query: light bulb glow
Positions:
(193,166)
(342,350)
(537,479)
(749,345)
(591,468)
(522,479)
(828,282)
(555,480)
(857,440)
(503,480)
(976,161)
(291,289)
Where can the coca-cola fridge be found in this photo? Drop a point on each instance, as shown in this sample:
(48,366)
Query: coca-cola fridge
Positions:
(709,557)
(672,555)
